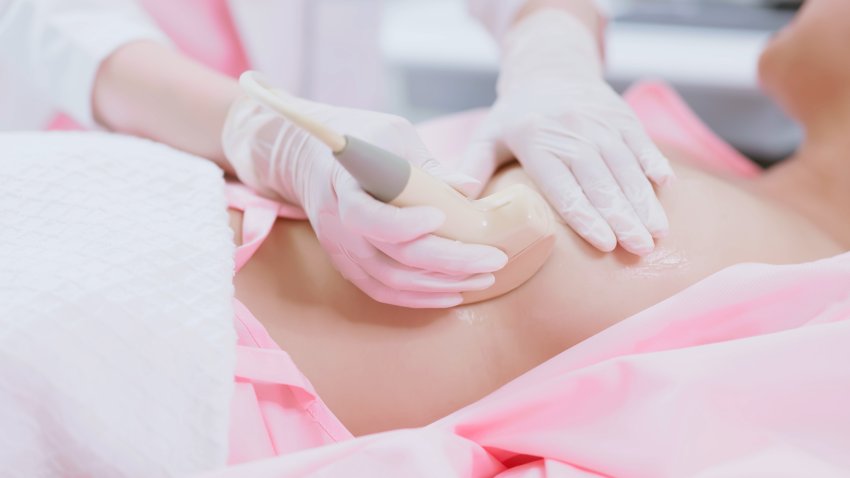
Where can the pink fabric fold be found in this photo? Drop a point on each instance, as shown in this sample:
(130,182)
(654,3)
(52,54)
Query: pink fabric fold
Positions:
(669,121)
(275,409)
(743,374)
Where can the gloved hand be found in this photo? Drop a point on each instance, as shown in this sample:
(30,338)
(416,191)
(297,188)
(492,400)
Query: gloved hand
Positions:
(386,251)
(574,136)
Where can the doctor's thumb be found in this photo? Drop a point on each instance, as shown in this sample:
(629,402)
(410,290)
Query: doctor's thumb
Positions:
(479,161)
(467,185)
(421,156)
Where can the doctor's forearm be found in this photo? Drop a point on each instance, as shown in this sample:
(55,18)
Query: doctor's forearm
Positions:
(151,90)
(585,11)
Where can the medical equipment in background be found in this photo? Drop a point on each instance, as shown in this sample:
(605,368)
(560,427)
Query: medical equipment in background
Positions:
(516,220)
(707,50)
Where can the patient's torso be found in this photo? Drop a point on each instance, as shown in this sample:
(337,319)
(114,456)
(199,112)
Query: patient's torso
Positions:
(380,367)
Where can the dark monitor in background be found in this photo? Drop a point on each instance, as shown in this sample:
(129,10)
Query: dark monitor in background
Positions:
(765,15)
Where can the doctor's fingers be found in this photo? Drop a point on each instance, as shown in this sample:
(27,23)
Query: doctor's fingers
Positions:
(399,277)
(417,154)
(479,162)
(379,221)
(563,192)
(607,197)
(654,164)
(387,295)
(485,152)
(445,256)
(636,187)
(464,183)
(389,282)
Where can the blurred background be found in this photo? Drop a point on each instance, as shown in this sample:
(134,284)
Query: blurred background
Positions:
(434,59)
(439,61)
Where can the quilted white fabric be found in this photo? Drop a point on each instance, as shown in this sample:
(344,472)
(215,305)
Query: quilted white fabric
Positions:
(116,336)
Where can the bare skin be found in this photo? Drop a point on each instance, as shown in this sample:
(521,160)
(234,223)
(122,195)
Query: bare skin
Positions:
(381,367)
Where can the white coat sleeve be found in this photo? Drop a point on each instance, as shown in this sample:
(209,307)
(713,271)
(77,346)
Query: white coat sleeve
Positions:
(60,44)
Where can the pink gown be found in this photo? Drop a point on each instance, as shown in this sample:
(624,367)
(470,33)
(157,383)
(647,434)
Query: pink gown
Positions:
(275,409)
(742,374)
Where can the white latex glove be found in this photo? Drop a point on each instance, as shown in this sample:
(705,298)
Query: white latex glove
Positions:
(386,251)
(575,137)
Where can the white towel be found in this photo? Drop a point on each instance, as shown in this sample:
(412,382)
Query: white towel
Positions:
(116,319)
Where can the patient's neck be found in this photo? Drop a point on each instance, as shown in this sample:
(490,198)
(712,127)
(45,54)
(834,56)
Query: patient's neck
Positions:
(816,180)
(823,161)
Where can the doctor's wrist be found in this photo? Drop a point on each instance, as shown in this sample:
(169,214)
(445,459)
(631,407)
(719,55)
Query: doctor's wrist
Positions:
(548,47)
(585,11)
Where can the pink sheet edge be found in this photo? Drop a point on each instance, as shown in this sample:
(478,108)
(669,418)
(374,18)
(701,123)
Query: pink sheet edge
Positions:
(743,374)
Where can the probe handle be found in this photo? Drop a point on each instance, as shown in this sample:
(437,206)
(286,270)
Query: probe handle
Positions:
(379,172)
(392,180)
(516,220)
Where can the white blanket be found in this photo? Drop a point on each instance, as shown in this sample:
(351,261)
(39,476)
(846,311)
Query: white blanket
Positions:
(116,336)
